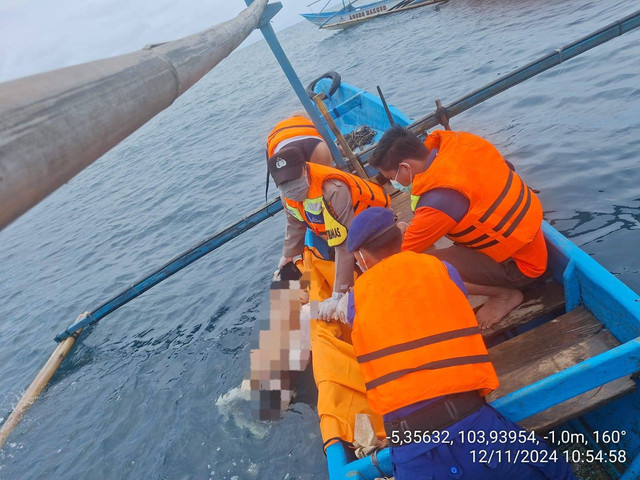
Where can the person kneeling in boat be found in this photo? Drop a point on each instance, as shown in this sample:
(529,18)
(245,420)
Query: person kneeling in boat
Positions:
(426,368)
(461,187)
(326,200)
(300,132)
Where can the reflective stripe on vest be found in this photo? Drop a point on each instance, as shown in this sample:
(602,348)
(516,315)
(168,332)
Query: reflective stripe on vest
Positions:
(289,128)
(504,214)
(415,335)
(314,212)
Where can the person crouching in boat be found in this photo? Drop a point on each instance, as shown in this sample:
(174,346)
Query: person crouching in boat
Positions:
(326,200)
(298,131)
(461,187)
(426,368)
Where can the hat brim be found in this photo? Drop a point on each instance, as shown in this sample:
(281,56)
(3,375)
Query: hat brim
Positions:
(286,174)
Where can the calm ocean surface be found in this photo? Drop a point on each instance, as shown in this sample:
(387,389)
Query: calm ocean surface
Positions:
(137,397)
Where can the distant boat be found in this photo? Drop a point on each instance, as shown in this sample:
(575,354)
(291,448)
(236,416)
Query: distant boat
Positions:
(350,14)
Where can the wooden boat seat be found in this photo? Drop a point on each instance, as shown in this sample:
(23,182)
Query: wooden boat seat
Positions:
(549,348)
(348,105)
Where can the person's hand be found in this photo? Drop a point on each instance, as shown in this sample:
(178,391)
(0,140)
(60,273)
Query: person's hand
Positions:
(341,309)
(403,227)
(327,308)
(283,261)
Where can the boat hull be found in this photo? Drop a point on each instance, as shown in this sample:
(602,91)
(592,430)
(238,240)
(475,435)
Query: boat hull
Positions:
(587,285)
(345,18)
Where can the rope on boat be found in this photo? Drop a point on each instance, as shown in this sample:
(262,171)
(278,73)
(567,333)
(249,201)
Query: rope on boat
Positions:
(361,136)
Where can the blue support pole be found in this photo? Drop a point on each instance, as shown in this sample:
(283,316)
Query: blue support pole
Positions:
(575,380)
(174,266)
(298,88)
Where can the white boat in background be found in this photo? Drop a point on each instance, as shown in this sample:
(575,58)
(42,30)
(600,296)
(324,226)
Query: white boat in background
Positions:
(351,14)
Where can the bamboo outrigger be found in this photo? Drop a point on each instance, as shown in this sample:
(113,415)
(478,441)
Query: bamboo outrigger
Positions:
(588,293)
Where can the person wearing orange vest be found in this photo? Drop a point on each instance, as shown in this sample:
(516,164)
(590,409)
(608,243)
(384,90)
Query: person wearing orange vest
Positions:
(298,131)
(426,368)
(461,187)
(325,200)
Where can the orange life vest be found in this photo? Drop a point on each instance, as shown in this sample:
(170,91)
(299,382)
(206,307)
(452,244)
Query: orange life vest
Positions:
(415,334)
(289,128)
(504,214)
(314,212)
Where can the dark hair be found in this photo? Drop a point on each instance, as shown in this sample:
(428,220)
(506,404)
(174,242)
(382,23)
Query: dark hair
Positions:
(387,244)
(396,145)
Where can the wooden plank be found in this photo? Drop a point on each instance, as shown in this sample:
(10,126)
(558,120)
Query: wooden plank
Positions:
(543,300)
(548,349)
(579,405)
(545,340)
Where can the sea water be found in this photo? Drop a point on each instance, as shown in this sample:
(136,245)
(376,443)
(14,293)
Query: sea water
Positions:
(150,391)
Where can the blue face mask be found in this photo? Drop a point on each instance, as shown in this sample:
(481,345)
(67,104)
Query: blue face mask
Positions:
(398,186)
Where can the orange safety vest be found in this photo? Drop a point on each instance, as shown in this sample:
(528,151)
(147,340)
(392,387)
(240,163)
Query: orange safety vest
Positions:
(289,128)
(504,214)
(415,334)
(314,212)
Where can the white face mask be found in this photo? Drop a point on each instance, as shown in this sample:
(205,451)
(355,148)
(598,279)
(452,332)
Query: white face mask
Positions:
(398,186)
(362,266)
(295,190)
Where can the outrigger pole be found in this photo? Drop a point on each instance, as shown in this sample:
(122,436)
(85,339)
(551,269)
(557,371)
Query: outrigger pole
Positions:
(55,124)
(558,56)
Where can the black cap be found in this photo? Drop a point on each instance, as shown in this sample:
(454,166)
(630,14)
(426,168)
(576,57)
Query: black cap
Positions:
(286,165)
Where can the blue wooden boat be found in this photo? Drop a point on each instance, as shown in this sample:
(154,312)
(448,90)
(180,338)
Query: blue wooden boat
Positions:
(352,107)
(566,357)
(351,14)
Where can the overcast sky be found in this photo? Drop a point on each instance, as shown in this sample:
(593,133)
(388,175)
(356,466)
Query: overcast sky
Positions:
(42,35)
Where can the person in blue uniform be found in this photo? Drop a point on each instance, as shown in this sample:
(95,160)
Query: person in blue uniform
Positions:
(426,368)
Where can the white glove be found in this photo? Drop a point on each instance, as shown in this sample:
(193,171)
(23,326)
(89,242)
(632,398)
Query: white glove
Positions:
(283,261)
(341,309)
(327,308)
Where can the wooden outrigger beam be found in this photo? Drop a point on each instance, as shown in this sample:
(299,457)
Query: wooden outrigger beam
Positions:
(55,124)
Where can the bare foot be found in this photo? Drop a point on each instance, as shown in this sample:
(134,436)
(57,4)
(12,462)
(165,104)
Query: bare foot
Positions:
(498,306)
